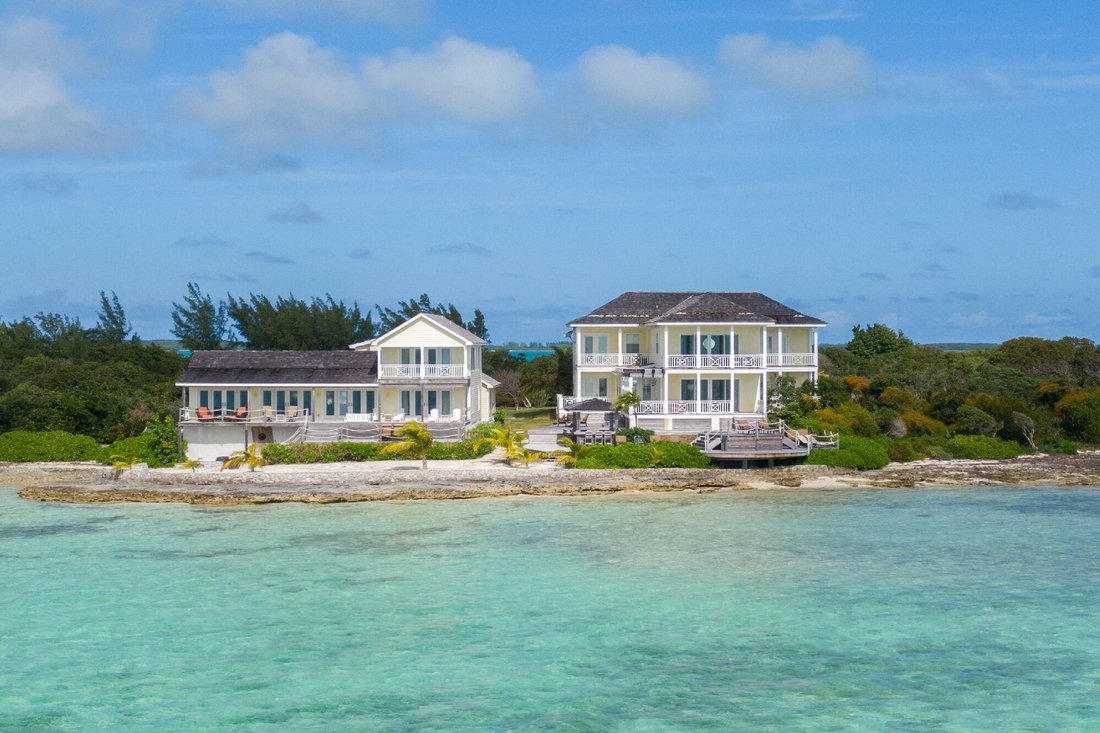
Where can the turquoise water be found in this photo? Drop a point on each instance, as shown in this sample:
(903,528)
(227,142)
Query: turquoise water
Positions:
(954,610)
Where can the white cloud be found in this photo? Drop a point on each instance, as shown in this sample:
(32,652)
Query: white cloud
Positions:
(37,111)
(652,85)
(288,90)
(827,68)
(468,81)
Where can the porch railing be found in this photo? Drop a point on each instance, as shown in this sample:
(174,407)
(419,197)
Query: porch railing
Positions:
(242,414)
(714,361)
(422,371)
(686,407)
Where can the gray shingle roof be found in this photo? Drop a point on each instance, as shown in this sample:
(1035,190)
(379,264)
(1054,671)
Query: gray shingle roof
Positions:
(281,367)
(694,307)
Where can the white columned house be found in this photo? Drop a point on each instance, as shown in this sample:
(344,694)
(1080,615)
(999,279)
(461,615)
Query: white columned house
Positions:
(698,360)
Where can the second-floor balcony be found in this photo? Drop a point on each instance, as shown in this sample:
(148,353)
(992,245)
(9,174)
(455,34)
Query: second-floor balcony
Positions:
(699,361)
(422,371)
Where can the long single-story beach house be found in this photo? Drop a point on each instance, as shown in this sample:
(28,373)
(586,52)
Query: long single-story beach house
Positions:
(427,369)
(699,361)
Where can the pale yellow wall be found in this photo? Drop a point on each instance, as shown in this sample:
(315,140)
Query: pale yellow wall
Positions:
(748,387)
(750,339)
(420,333)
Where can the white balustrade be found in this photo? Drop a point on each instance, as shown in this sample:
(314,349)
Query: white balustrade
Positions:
(422,371)
(791,359)
(613,360)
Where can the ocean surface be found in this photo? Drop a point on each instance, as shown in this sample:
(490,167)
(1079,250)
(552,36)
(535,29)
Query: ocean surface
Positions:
(901,610)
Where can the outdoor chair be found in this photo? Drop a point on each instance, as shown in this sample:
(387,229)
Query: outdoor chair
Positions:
(269,412)
(433,415)
(456,414)
(204,413)
(292,412)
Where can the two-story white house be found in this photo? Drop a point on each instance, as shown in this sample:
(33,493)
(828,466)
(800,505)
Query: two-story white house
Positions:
(427,369)
(697,360)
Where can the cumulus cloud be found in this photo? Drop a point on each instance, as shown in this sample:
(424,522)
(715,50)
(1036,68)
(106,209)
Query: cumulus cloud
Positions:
(290,91)
(1045,319)
(980,319)
(461,248)
(37,111)
(1021,201)
(50,184)
(297,213)
(467,81)
(624,81)
(825,69)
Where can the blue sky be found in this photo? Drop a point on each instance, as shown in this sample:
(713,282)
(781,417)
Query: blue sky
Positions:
(929,165)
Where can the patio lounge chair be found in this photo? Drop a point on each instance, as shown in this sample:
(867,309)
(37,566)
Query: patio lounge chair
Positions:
(204,413)
(292,412)
(456,414)
(433,415)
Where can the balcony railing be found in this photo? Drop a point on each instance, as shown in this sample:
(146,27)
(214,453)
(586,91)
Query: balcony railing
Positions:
(613,360)
(791,360)
(243,415)
(422,371)
(714,361)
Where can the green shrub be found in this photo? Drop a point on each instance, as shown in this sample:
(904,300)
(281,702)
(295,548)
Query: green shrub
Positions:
(659,454)
(55,445)
(903,451)
(981,447)
(628,455)
(920,424)
(680,455)
(632,434)
(854,452)
(156,446)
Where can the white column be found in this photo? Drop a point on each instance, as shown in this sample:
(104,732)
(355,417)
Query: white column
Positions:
(780,348)
(698,363)
(764,393)
(664,385)
(733,340)
(619,350)
(668,350)
(815,359)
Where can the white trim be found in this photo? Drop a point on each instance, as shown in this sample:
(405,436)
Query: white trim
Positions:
(377,341)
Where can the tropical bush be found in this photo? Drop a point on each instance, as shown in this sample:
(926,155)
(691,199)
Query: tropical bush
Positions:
(853,452)
(982,447)
(54,445)
(659,454)
(632,435)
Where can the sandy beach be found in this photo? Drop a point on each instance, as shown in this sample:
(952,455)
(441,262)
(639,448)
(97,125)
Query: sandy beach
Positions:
(491,476)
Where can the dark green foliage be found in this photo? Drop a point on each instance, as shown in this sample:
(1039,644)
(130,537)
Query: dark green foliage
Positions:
(1080,415)
(981,447)
(970,419)
(112,325)
(339,452)
(871,341)
(54,376)
(198,322)
(854,452)
(289,323)
(659,454)
(54,445)
(903,451)
(477,326)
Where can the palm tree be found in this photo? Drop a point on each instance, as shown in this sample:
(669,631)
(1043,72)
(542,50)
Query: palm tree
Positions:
(416,443)
(570,458)
(250,457)
(508,439)
(191,463)
(627,402)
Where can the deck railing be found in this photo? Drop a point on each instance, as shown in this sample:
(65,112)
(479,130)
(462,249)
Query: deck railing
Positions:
(204,414)
(422,371)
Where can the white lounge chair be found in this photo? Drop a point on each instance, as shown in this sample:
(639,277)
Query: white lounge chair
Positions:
(456,414)
(433,415)
(399,416)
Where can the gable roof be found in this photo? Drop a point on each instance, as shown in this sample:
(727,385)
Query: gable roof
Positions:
(441,321)
(280,367)
(651,308)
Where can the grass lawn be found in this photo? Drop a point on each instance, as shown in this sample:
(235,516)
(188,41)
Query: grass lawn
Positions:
(525,419)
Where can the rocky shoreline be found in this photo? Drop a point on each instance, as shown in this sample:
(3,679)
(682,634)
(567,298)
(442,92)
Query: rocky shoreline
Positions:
(401,480)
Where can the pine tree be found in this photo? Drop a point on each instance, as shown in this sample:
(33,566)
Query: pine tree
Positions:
(198,322)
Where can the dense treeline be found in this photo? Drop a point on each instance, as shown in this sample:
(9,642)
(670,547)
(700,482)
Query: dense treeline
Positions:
(532,383)
(1038,393)
(56,375)
(258,322)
